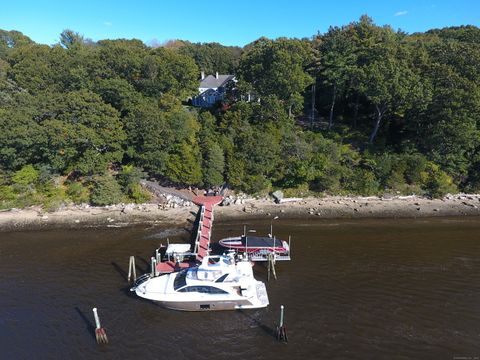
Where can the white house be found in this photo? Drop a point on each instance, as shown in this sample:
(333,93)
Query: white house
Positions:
(213,89)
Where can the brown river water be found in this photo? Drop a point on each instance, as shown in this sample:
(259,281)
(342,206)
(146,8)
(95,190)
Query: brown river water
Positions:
(363,289)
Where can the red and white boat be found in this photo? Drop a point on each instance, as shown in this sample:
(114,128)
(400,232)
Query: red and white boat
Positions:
(258,247)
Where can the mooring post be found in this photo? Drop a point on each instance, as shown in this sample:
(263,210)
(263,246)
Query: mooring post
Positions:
(131,269)
(168,244)
(100,333)
(271,266)
(289,246)
(157,255)
(281,329)
(274,259)
(153,263)
(282,308)
(271,225)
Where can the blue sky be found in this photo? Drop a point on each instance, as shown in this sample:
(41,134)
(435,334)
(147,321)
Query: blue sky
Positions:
(230,23)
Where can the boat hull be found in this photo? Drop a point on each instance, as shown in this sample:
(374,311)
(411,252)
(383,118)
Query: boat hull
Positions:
(254,244)
(207,305)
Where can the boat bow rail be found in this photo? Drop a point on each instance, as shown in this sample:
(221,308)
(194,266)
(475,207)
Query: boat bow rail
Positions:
(140,281)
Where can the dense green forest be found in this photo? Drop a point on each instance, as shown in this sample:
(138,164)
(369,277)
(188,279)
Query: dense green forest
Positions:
(361,109)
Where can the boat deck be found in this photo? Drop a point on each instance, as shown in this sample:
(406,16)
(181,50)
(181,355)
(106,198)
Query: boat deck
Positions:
(169,266)
(258,248)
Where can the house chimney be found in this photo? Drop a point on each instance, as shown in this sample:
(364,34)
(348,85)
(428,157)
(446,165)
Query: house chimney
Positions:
(216,74)
(203,75)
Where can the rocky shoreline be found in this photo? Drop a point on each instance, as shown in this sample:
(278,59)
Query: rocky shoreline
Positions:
(179,213)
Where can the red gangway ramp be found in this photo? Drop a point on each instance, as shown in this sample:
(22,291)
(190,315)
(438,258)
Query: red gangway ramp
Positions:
(202,241)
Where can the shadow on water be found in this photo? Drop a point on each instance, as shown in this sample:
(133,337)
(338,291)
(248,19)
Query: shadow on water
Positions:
(267,329)
(147,265)
(122,272)
(88,324)
(127,292)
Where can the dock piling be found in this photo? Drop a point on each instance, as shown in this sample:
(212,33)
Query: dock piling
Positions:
(281,329)
(100,333)
(131,269)
(153,263)
(271,266)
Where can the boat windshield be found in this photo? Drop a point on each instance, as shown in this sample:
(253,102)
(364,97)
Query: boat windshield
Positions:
(180,280)
(221,278)
(203,290)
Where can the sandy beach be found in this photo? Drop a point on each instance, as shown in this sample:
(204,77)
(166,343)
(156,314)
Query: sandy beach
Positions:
(333,207)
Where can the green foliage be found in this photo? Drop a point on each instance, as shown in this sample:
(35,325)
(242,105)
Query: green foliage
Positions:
(301,190)
(165,71)
(183,164)
(82,133)
(26,176)
(106,190)
(436,182)
(277,67)
(70,39)
(211,57)
(7,193)
(214,166)
(138,194)
(52,196)
(77,192)
(129,179)
(80,109)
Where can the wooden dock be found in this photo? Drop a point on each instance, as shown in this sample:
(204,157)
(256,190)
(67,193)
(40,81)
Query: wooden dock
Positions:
(204,232)
(201,247)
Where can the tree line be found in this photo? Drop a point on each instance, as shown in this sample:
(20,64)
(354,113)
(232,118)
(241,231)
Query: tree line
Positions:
(361,109)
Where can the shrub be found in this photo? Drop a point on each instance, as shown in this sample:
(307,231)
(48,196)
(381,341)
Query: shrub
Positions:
(138,194)
(364,183)
(106,190)
(77,192)
(299,191)
(25,177)
(52,196)
(7,197)
(437,182)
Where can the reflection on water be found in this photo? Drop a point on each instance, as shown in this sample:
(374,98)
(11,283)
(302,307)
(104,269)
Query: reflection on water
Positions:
(355,289)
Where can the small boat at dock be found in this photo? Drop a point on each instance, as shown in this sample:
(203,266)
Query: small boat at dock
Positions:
(258,248)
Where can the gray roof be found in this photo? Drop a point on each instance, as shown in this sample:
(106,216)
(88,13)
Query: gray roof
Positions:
(211,82)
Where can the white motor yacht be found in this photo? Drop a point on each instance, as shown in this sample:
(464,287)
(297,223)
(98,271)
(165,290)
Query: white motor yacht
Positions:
(218,283)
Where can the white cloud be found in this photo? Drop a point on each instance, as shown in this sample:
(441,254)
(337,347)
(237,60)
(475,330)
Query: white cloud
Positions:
(107,23)
(401,13)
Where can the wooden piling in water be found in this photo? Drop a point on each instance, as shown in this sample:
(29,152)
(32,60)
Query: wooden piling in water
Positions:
(282,329)
(153,265)
(131,269)
(100,333)
(271,266)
